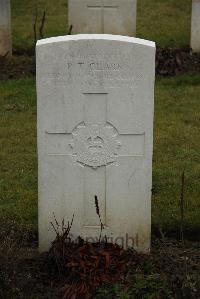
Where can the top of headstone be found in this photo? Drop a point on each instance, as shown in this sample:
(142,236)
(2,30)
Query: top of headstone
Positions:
(96,37)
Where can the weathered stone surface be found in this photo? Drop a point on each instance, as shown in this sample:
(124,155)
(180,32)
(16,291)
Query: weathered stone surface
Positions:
(95,136)
(195,30)
(103,16)
(5,28)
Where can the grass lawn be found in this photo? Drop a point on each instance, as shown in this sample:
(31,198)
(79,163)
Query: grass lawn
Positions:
(18,175)
(167,22)
(176,147)
(23,18)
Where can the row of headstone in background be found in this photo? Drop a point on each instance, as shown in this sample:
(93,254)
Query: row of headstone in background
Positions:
(195,28)
(118,17)
(97,16)
(95,137)
(103,16)
(5,29)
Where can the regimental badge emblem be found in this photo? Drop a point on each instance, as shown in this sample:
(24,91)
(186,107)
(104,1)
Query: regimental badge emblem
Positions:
(95,145)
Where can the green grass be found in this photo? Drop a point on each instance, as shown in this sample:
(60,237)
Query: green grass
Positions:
(176,147)
(167,22)
(18,178)
(23,18)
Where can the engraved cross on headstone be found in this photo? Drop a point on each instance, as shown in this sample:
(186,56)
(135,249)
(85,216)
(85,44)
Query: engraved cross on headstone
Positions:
(95,144)
(102,7)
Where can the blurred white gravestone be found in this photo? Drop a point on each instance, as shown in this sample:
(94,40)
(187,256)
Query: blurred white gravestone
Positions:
(103,16)
(5,28)
(195,30)
(95,98)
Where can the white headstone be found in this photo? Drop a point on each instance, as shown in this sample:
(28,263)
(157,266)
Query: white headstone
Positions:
(195,31)
(95,136)
(5,28)
(103,16)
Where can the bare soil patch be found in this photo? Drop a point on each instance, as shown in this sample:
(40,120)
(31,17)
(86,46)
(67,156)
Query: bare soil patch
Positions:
(16,67)
(171,270)
(172,61)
